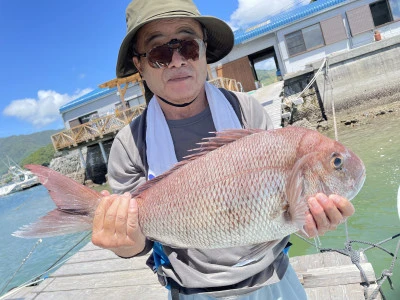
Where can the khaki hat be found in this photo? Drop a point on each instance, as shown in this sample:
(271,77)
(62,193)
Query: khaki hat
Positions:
(220,37)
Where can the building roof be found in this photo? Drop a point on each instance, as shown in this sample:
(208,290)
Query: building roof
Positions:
(273,22)
(95,94)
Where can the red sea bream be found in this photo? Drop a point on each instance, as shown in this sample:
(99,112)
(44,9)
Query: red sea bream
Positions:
(244,187)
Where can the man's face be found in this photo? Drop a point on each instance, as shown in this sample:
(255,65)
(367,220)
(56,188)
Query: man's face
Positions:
(182,80)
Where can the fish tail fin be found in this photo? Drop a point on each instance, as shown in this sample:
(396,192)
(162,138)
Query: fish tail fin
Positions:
(75,203)
(55,223)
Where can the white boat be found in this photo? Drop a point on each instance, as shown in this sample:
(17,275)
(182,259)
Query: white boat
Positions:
(21,180)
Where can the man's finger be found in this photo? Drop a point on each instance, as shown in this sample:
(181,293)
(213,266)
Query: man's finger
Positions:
(122,215)
(331,211)
(310,227)
(110,215)
(98,220)
(133,218)
(105,193)
(343,205)
(319,215)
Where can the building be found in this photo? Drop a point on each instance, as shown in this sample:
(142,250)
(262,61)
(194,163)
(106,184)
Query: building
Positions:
(301,36)
(356,36)
(98,103)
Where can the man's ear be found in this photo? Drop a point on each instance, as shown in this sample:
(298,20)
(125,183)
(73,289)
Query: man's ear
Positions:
(138,65)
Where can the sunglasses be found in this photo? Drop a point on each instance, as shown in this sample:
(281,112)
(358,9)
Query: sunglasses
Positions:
(161,56)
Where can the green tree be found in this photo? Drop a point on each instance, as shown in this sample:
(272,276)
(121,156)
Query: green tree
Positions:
(42,156)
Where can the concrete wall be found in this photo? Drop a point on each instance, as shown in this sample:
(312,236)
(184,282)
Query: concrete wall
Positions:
(367,75)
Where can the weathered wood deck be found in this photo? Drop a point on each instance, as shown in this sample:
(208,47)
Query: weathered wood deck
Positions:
(269,98)
(332,275)
(94,273)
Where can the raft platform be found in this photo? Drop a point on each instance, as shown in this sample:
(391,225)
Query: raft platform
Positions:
(95,273)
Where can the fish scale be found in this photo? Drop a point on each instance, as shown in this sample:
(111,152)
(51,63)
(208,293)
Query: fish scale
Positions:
(225,209)
(244,187)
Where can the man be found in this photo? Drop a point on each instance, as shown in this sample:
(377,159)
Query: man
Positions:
(170,44)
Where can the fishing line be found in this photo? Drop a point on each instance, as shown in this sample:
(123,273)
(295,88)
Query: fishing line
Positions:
(37,278)
(22,263)
(55,263)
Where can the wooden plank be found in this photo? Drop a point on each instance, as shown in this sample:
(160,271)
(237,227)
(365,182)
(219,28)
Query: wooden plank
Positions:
(122,293)
(104,280)
(95,273)
(349,291)
(336,276)
(99,267)
(333,292)
(86,256)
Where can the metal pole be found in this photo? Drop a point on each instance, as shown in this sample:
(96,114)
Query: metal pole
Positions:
(103,152)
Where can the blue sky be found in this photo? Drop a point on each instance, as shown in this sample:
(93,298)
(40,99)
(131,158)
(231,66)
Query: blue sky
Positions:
(55,51)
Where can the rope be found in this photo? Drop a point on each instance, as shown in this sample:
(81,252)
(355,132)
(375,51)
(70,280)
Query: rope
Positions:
(297,95)
(386,275)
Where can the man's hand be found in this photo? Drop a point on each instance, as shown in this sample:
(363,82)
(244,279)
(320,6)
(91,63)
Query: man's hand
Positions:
(116,225)
(326,213)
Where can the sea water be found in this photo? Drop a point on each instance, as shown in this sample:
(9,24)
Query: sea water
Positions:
(376,218)
(16,255)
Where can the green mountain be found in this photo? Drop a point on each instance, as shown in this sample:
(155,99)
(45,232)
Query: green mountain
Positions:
(266,76)
(20,147)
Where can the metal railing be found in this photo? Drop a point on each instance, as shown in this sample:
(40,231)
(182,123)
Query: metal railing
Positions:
(95,129)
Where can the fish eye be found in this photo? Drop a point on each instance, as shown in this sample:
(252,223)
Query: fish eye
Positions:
(337,162)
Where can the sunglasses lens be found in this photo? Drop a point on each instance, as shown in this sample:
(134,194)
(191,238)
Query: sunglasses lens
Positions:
(161,56)
(190,50)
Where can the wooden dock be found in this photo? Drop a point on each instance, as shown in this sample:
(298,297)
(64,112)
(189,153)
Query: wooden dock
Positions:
(331,275)
(269,98)
(95,273)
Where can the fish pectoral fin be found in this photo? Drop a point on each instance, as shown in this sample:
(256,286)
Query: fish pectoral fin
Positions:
(55,223)
(295,192)
(257,253)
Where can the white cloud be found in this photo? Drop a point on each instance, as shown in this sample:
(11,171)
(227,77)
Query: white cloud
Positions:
(250,11)
(43,110)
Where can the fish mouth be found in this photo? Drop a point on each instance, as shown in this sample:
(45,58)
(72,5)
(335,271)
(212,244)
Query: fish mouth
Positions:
(358,186)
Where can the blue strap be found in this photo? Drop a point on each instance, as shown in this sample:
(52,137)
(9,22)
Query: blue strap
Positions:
(160,258)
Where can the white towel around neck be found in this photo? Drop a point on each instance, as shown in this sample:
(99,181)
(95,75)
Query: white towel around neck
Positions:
(160,148)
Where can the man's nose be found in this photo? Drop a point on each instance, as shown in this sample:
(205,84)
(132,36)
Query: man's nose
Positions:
(177,59)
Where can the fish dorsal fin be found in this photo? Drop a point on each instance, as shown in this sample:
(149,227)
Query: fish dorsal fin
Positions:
(222,138)
(209,144)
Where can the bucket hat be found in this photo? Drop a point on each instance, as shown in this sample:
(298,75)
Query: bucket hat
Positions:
(220,37)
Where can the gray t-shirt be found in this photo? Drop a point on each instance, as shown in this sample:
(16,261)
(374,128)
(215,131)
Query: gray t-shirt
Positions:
(210,271)
(188,132)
